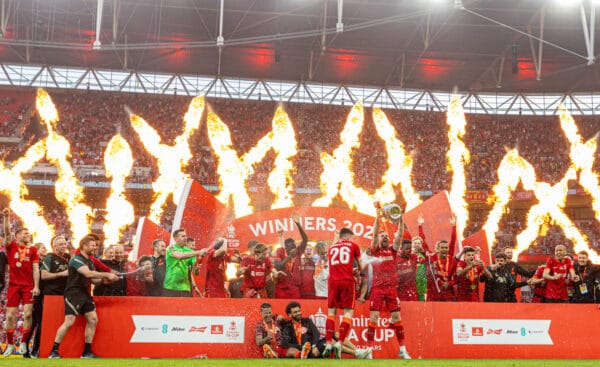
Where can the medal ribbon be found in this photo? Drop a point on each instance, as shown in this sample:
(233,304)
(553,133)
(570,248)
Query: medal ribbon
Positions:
(22,252)
(298,330)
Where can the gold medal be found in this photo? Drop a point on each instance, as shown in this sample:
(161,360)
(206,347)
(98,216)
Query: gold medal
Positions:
(18,264)
(473,286)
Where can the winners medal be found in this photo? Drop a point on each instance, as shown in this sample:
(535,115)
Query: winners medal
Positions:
(18,264)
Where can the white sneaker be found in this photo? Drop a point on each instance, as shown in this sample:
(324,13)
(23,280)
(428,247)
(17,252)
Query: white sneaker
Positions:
(10,350)
(364,353)
(403,353)
(327,351)
(337,348)
(23,348)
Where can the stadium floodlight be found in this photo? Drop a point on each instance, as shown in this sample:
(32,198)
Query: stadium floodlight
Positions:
(458,4)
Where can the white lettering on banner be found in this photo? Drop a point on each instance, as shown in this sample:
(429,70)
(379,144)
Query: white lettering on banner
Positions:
(310,224)
(358,330)
(499,331)
(188,329)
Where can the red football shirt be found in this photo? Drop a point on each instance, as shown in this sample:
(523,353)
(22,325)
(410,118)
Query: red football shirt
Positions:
(384,272)
(539,292)
(215,273)
(307,276)
(25,256)
(256,273)
(406,267)
(341,259)
(467,285)
(292,278)
(557,289)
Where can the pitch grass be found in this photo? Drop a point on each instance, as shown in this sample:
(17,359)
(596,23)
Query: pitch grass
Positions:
(287,362)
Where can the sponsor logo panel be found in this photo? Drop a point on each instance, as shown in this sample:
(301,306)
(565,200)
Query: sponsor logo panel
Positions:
(188,329)
(501,331)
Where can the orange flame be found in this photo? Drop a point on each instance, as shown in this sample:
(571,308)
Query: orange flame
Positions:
(118,160)
(457,157)
(513,168)
(283,140)
(231,271)
(171,160)
(13,185)
(233,171)
(400,165)
(337,176)
(67,189)
(582,157)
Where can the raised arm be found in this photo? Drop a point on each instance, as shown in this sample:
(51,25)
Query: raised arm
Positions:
(220,247)
(398,236)
(304,242)
(280,263)
(420,221)
(452,244)
(375,240)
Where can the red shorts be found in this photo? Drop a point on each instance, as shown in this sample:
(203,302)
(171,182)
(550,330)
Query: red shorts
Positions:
(17,294)
(341,294)
(381,295)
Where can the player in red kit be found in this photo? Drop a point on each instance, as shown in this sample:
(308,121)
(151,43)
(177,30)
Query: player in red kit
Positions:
(406,266)
(383,289)
(441,265)
(287,261)
(23,283)
(341,293)
(555,274)
(468,272)
(216,264)
(255,268)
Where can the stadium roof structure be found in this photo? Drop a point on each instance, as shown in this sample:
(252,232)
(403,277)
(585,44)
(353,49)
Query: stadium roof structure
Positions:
(477,47)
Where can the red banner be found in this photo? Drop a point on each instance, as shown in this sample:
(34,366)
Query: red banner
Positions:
(147,232)
(200,214)
(436,212)
(318,223)
(137,327)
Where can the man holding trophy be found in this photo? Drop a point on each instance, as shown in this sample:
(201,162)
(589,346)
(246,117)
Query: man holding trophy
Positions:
(383,289)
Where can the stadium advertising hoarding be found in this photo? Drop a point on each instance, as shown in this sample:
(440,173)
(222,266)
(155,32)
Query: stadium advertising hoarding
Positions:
(501,331)
(185,328)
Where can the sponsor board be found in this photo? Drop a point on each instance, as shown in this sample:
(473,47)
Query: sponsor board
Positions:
(187,329)
(499,331)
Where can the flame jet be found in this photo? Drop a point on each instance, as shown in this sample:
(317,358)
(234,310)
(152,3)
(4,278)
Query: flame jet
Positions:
(400,165)
(283,140)
(171,160)
(457,157)
(118,160)
(234,171)
(58,152)
(13,185)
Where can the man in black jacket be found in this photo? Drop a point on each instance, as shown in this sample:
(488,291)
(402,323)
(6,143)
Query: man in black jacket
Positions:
(583,290)
(517,271)
(300,337)
(501,286)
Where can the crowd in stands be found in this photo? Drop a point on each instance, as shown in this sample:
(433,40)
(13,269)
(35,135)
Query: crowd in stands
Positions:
(89,119)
